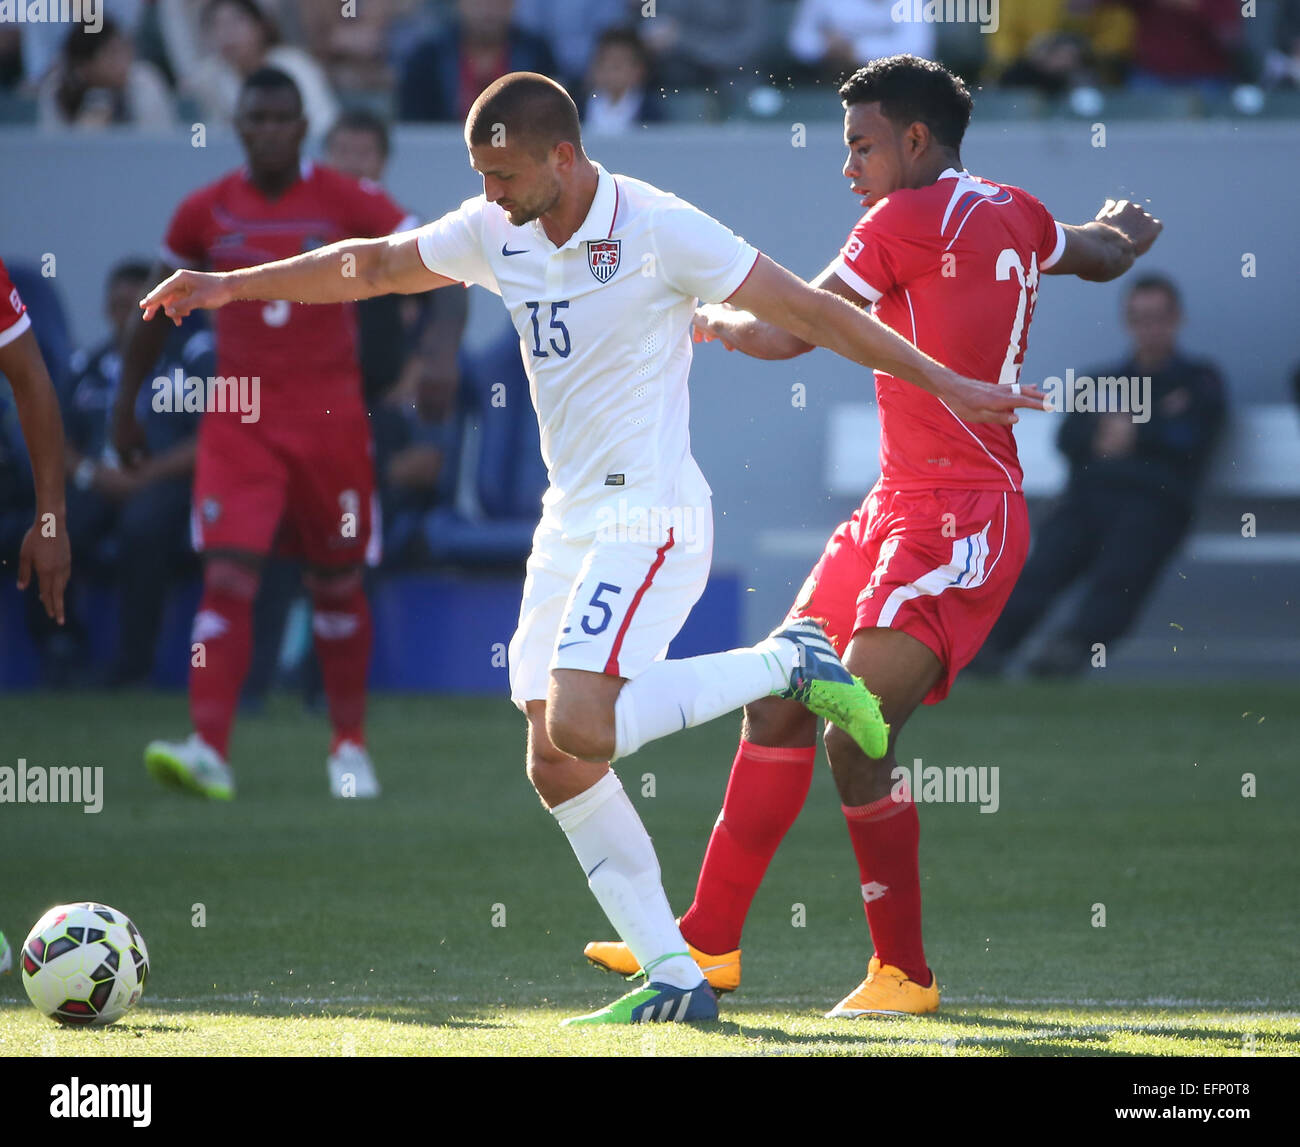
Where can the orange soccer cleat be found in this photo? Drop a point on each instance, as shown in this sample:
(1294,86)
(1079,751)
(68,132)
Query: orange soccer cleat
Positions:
(887,992)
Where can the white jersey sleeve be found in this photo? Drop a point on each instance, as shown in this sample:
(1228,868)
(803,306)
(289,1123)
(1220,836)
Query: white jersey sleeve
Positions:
(453,246)
(698,255)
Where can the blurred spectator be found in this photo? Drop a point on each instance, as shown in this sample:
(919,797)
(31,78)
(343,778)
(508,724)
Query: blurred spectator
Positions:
(1186,42)
(131,525)
(1055,63)
(835,37)
(42,40)
(571,29)
(1021,50)
(1282,61)
(706,43)
(445,73)
(11,56)
(618,97)
(352,45)
(213,45)
(1130,497)
(97,83)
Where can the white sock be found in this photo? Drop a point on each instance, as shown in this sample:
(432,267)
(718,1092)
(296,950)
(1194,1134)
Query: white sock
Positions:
(673,695)
(622,870)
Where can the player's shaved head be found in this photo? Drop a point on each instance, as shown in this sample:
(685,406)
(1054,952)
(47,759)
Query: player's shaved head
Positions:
(912,90)
(524,109)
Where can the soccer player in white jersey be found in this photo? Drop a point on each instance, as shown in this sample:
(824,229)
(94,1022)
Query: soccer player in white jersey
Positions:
(601,274)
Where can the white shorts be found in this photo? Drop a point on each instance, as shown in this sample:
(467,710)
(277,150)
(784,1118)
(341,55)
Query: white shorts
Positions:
(603,606)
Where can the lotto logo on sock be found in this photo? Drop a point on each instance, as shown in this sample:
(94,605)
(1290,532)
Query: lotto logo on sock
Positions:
(933,784)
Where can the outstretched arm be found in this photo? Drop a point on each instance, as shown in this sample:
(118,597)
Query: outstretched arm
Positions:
(340,273)
(1106,247)
(742,331)
(820,318)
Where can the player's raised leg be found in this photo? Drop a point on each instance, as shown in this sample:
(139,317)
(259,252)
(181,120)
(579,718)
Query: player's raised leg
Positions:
(614,850)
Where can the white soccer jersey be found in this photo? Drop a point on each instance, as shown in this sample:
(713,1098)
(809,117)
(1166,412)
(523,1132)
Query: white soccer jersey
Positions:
(604,328)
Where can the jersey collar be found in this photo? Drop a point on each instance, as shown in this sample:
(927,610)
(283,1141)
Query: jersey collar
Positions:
(599,223)
(953,173)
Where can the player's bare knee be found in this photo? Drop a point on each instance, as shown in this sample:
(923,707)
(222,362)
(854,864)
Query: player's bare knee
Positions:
(582,731)
(779,724)
(855,772)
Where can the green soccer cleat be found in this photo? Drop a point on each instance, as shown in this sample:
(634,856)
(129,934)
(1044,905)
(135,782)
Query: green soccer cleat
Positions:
(193,765)
(821,683)
(6,956)
(656,1003)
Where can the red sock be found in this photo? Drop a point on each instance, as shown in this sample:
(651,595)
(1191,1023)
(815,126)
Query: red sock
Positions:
(766,791)
(223,628)
(886,835)
(341,627)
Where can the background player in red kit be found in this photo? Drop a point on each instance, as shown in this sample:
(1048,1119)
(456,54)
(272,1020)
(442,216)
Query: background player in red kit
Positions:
(45,549)
(296,471)
(910,586)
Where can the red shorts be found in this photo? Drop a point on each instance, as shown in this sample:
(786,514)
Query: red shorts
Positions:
(938,565)
(307,490)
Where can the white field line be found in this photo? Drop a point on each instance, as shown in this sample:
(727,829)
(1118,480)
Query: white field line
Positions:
(1271,1010)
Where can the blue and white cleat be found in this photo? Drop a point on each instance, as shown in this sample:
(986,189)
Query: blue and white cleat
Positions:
(821,683)
(658,1004)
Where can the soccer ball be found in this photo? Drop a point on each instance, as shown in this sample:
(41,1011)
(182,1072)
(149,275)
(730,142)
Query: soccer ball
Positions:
(84,964)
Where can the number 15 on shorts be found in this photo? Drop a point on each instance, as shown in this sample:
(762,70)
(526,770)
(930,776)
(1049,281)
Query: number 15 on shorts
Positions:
(597,614)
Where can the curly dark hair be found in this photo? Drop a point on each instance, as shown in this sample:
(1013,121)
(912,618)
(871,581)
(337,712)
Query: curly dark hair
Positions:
(910,89)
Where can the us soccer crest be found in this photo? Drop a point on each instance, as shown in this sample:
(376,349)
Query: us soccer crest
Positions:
(602,257)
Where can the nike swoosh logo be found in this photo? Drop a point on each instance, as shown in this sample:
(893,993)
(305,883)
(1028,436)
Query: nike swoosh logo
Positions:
(589,874)
(683,713)
(506,251)
(566,644)
(711,967)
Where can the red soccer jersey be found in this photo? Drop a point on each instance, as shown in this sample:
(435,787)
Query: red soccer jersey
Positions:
(305,355)
(14,318)
(953,268)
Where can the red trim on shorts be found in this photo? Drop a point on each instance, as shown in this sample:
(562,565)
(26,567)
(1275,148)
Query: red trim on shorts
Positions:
(611,666)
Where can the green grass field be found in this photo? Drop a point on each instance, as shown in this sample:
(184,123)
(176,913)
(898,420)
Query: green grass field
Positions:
(336,928)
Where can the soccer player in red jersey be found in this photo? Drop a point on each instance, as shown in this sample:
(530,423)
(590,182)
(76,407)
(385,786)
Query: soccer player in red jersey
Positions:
(909,587)
(45,549)
(285,457)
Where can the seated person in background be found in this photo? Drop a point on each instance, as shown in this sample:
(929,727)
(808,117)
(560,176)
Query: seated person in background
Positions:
(618,98)
(97,83)
(133,524)
(1016,49)
(351,41)
(1055,63)
(1130,497)
(445,73)
(1186,43)
(833,37)
(706,43)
